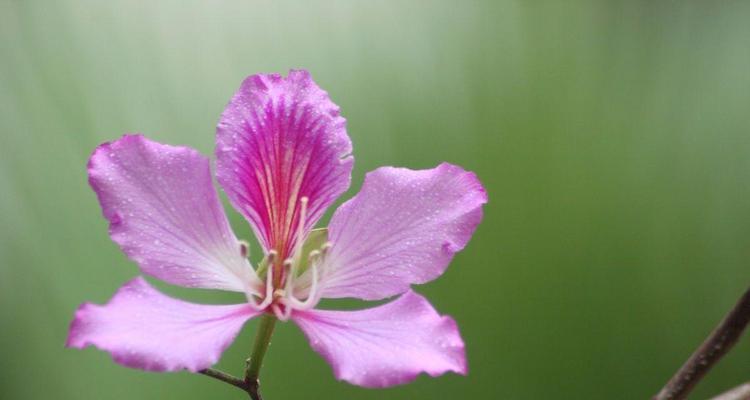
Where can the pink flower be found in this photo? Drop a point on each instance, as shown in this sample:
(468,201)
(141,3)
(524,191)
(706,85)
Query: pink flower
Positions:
(283,156)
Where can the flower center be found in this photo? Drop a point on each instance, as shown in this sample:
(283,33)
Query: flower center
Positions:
(294,277)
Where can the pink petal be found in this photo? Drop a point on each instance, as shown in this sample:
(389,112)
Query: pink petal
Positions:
(402,228)
(165,215)
(142,328)
(386,345)
(278,140)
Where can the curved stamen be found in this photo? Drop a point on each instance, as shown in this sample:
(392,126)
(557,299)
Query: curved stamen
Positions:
(325,248)
(313,257)
(269,284)
(288,273)
(281,294)
(283,301)
(281,315)
(311,295)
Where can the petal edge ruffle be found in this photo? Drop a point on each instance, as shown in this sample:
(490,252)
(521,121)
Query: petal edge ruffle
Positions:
(402,228)
(278,140)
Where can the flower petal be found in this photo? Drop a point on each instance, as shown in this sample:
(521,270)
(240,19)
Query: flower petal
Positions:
(403,227)
(142,328)
(165,214)
(386,345)
(278,140)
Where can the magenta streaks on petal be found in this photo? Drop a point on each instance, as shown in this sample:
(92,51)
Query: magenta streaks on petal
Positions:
(142,328)
(278,140)
(402,228)
(165,214)
(386,345)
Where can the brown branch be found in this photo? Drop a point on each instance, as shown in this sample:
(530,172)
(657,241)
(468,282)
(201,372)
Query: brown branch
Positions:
(251,388)
(741,392)
(709,353)
(251,383)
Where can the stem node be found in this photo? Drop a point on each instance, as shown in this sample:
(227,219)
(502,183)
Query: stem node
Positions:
(250,384)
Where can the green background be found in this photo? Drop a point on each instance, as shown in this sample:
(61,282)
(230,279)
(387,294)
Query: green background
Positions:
(612,137)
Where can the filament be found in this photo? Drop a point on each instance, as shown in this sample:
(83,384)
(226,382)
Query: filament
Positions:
(269,284)
(269,292)
(311,295)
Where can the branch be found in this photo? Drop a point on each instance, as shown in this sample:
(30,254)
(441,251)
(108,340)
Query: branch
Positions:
(251,388)
(224,377)
(709,353)
(741,392)
(251,384)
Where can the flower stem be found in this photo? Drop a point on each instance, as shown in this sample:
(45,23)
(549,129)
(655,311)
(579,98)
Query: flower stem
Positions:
(260,347)
(709,353)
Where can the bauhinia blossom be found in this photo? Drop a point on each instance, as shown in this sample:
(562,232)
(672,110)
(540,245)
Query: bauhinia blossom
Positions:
(282,157)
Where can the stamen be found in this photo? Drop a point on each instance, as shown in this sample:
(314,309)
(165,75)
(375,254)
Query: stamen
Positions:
(314,256)
(288,273)
(326,248)
(269,287)
(272,254)
(283,294)
(311,294)
(281,315)
(286,300)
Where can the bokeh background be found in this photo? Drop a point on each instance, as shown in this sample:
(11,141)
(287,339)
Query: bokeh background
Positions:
(612,137)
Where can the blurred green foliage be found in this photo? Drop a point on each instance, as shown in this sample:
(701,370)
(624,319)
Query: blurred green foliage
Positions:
(613,139)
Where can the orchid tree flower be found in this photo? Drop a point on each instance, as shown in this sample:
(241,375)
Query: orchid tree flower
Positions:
(282,156)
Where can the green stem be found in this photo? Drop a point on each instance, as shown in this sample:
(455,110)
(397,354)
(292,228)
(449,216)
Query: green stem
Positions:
(260,347)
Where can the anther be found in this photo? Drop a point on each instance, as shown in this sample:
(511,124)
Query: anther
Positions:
(325,248)
(302,215)
(271,256)
(244,248)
